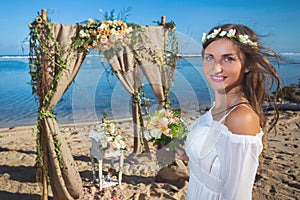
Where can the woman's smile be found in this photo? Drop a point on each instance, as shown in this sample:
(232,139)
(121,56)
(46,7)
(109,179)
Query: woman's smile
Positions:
(217,78)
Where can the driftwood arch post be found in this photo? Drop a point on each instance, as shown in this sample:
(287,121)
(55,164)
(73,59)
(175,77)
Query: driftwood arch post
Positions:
(54,64)
(54,70)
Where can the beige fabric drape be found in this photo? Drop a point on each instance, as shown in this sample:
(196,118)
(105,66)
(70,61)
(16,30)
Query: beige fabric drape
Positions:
(127,63)
(123,63)
(65,182)
(152,60)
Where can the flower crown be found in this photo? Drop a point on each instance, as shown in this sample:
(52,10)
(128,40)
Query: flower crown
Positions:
(244,39)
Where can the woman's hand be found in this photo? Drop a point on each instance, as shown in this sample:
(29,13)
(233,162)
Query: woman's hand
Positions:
(180,154)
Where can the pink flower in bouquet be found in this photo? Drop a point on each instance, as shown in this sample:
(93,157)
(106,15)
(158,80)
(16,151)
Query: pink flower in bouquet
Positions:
(169,114)
(169,125)
(164,127)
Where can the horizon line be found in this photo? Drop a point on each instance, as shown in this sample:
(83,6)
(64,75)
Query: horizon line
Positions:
(179,55)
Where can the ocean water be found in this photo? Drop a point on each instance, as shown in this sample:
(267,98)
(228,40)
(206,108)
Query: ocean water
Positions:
(96,91)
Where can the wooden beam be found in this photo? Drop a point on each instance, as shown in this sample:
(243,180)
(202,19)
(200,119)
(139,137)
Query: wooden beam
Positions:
(163,20)
(44,15)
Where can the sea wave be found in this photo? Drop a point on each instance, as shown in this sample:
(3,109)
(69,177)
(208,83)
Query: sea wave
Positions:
(290,53)
(14,58)
(26,57)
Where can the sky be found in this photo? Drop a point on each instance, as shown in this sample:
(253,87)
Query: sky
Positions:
(278,20)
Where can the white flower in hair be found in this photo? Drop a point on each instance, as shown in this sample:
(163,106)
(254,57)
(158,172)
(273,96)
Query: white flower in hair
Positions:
(203,37)
(244,39)
(215,33)
(223,33)
(254,44)
(231,33)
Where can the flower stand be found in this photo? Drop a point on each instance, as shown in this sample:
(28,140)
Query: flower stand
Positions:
(98,152)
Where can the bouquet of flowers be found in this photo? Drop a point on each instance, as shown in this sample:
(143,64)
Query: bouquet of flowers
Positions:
(112,139)
(102,35)
(166,129)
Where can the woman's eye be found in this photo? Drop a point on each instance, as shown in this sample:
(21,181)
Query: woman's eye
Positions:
(208,58)
(229,59)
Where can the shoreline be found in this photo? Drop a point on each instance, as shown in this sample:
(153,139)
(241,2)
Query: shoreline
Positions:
(64,125)
(285,106)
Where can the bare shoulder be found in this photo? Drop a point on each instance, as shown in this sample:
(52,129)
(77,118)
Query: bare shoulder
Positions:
(243,121)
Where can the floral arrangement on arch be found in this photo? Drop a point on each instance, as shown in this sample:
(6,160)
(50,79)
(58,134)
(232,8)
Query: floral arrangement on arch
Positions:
(165,127)
(113,139)
(102,35)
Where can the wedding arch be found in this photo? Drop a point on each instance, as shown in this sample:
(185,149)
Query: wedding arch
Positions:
(56,54)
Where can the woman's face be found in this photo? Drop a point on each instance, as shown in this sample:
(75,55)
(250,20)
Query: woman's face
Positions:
(222,65)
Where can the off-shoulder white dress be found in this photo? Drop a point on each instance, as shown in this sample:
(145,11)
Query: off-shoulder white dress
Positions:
(222,165)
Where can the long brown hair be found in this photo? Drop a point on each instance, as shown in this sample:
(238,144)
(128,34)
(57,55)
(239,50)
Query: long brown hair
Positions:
(262,77)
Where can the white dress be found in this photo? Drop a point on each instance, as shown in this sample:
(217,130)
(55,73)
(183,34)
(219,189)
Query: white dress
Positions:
(222,165)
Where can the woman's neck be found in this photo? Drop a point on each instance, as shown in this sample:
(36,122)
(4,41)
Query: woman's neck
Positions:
(223,101)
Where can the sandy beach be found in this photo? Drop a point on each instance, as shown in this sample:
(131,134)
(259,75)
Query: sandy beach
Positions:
(278,176)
